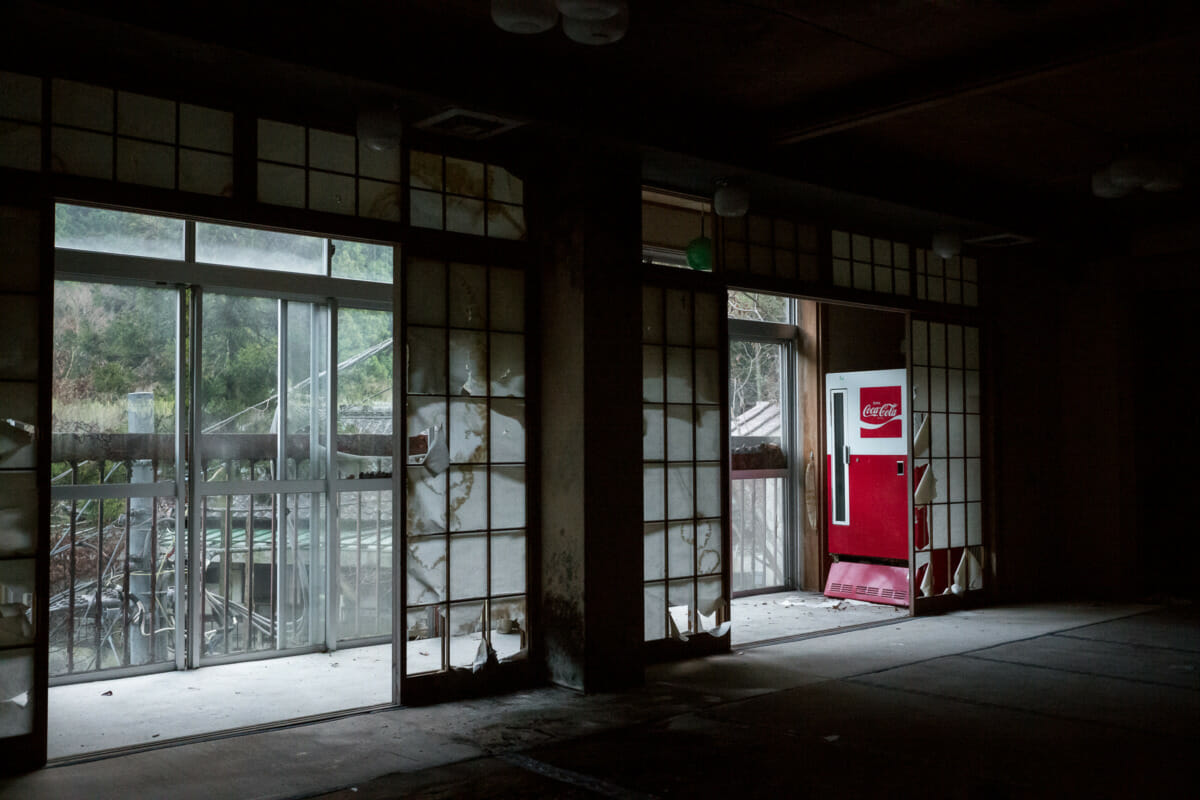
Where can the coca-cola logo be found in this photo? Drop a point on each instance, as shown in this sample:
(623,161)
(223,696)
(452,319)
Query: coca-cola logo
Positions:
(880,412)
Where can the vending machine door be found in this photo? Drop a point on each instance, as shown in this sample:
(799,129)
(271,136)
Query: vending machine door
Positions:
(867,451)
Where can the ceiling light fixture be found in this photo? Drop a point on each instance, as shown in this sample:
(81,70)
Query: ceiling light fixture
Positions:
(380,128)
(604,30)
(1137,172)
(731,199)
(947,244)
(585,21)
(589,9)
(524,16)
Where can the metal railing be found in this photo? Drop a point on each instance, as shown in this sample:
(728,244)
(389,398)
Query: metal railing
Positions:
(758,514)
(264,555)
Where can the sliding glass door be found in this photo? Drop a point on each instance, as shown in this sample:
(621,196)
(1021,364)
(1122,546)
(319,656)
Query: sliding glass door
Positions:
(234,420)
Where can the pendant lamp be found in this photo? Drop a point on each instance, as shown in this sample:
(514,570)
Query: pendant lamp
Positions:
(589,9)
(524,16)
(598,31)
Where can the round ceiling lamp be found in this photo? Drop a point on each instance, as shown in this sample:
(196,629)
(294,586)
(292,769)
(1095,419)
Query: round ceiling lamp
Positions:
(1137,172)
(947,244)
(1167,177)
(1131,173)
(524,16)
(598,31)
(1103,186)
(589,9)
(379,128)
(731,199)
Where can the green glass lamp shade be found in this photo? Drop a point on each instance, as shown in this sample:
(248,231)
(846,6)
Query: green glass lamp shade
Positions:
(700,254)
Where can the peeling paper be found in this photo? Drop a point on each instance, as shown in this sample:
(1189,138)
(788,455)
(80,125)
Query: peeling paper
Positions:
(485,656)
(968,576)
(927,582)
(438,457)
(679,622)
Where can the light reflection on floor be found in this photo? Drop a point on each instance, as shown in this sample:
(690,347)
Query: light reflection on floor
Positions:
(771,616)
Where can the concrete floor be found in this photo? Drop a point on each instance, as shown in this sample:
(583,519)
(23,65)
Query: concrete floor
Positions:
(763,617)
(1059,700)
(101,715)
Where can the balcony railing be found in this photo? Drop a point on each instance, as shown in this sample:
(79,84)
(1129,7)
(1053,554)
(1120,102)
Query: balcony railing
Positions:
(759,526)
(264,554)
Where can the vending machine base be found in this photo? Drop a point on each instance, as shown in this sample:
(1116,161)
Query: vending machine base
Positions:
(875,583)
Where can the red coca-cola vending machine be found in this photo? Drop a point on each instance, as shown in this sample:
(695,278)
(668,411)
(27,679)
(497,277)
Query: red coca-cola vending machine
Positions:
(867,453)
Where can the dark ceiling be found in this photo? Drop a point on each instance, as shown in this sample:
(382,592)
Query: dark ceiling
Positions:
(992,111)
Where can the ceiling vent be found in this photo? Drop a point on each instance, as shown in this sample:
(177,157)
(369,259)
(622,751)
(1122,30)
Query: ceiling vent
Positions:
(467,124)
(1000,240)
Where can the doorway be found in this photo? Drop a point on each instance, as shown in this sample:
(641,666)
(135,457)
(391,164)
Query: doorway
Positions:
(781,349)
(221,478)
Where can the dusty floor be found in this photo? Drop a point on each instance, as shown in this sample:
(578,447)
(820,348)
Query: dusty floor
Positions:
(764,617)
(100,715)
(1063,700)
(173,705)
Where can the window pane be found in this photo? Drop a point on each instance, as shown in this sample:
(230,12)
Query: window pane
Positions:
(366,360)
(113,383)
(362,261)
(103,230)
(259,249)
